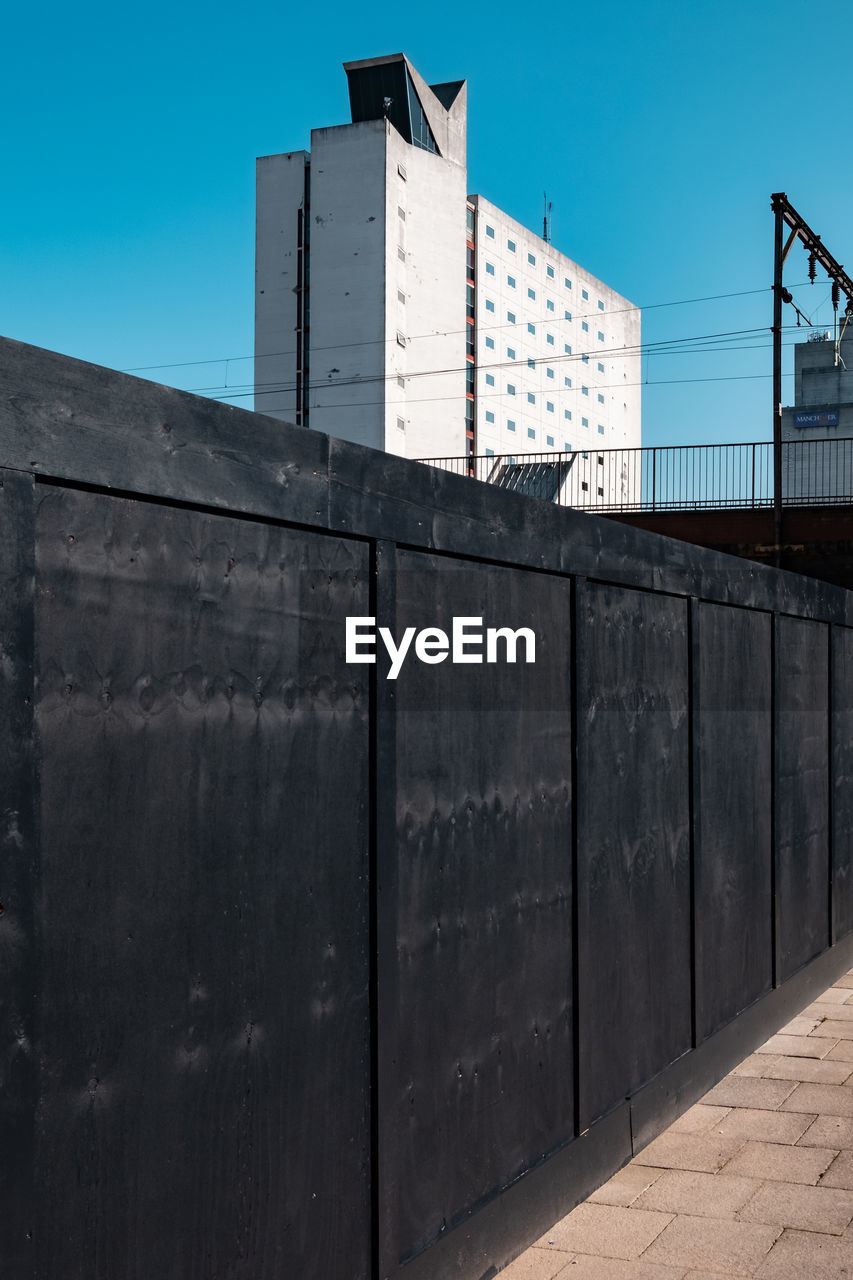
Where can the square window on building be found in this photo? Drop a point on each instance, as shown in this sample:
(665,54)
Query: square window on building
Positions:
(600,305)
(490,379)
(531,363)
(531,398)
(490,306)
(531,259)
(401,297)
(550,271)
(510,425)
(567,447)
(531,434)
(549,406)
(401,213)
(549,305)
(510,317)
(584,357)
(490,268)
(584,423)
(584,454)
(584,485)
(511,282)
(531,293)
(490,343)
(401,338)
(510,353)
(510,389)
(584,326)
(490,453)
(490,232)
(550,339)
(567,413)
(550,372)
(567,382)
(600,458)
(601,433)
(600,492)
(600,336)
(469,219)
(401,424)
(600,367)
(490,417)
(550,440)
(531,328)
(510,244)
(600,398)
(584,295)
(567,282)
(567,349)
(567,315)
(584,391)
(401,253)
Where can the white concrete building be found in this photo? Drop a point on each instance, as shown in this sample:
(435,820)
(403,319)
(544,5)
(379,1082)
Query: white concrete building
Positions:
(817,430)
(396,311)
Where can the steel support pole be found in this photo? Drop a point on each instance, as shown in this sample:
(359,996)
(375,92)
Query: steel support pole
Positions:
(778,259)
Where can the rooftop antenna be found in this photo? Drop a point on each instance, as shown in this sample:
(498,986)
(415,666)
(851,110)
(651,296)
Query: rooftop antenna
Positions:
(546,221)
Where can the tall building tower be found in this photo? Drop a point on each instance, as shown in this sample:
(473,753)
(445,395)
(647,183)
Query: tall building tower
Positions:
(818,427)
(397,311)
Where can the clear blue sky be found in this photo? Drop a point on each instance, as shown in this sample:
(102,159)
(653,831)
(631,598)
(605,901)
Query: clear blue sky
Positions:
(659,132)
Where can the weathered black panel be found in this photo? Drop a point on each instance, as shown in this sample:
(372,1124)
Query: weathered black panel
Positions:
(203,1006)
(802,792)
(732,725)
(18,870)
(633,841)
(482,1073)
(842,781)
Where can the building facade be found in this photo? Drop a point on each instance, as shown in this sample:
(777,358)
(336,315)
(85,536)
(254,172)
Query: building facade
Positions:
(395,310)
(818,428)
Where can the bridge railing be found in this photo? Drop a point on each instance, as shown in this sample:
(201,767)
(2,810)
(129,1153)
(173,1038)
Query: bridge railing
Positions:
(671,477)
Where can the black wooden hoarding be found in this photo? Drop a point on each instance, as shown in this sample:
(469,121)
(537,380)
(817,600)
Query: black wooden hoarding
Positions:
(310,972)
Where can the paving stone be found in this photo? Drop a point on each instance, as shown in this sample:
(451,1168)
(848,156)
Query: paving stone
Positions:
(811,1070)
(606,1231)
(755,1064)
(798,1254)
(585,1267)
(790,1204)
(799,1026)
(840,1172)
(831,1099)
(701,1118)
(846,980)
(781,1163)
(841,1052)
(535,1264)
(836,1012)
(835,1029)
(796,1046)
(624,1187)
(835,995)
(705,1152)
(702,1195)
(829,1131)
(764,1126)
(737,1091)
(735,1248)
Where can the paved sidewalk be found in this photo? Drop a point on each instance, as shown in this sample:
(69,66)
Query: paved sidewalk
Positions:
(754,1180)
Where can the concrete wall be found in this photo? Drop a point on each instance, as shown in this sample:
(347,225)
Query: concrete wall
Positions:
(280,186)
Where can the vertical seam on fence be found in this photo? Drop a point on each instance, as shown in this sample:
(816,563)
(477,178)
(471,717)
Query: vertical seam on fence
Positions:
(691,805)
(382,598)
(774,766)
(830,825)
(575,587)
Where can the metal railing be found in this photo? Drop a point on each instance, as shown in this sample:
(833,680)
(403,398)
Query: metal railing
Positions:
(672,477)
